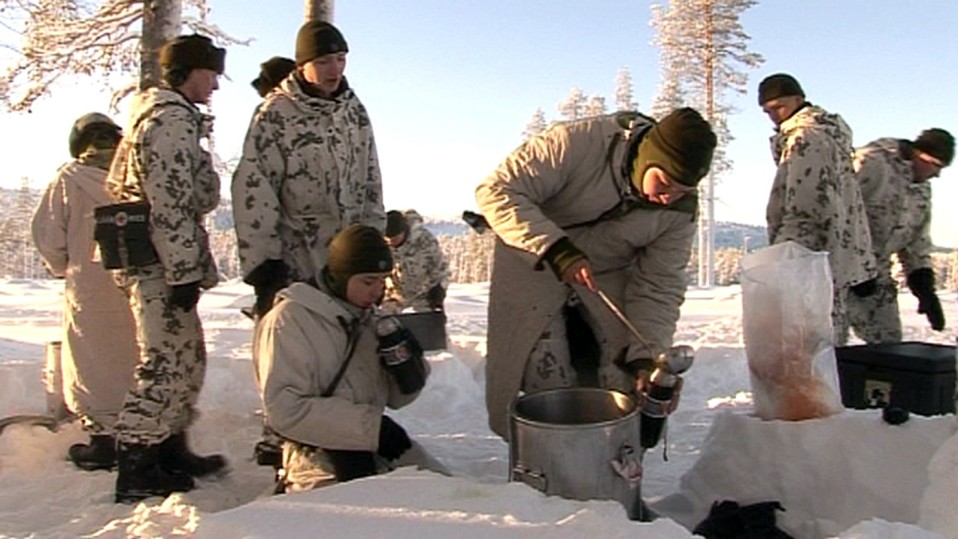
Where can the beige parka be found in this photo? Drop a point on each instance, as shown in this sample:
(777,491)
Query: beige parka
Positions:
(570,181)
(99,349)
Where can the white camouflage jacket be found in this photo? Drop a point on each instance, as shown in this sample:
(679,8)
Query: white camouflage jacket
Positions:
(309,169)
(815,200)
(419,266)
(162,162)
(898,208)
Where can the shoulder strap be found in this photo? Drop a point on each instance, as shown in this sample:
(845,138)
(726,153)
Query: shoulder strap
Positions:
(352,334)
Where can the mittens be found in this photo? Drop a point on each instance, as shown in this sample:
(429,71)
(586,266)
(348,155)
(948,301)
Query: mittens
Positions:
(393,440)
(267,279)
(185,296)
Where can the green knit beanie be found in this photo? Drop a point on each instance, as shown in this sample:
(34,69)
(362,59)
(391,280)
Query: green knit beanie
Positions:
(396,224)
(356,249)
(681,145)
(271,73)
(318,38)
(937,143)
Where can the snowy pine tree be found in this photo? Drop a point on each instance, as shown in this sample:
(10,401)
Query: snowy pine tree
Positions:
(536,125)
(702,43)
(624,90)
(595,106)
(18,256)
(573,106)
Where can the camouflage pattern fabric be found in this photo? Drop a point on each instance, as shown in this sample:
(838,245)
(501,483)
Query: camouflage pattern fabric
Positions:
(309,169)
(419,265)
(161,161)
(172,362)
(875,318)
(815,201)
(899,216)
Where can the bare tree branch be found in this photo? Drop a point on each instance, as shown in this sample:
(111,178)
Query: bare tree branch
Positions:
(64,38)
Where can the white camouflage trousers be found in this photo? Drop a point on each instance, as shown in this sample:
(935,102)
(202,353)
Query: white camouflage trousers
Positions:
(172,364)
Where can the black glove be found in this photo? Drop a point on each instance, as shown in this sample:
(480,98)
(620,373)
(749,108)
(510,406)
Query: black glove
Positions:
(185,296)
(865,289)
(476,221)
(561,256)
(267,279)
(393,440)
(350,464)
(921,282)
(435,297)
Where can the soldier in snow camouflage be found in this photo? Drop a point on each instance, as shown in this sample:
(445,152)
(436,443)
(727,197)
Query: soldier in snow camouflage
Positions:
(163,163)
(309,168)
(814,200)
(420,275)
(894,175)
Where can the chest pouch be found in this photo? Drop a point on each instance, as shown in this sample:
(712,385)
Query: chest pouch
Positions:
(122,232)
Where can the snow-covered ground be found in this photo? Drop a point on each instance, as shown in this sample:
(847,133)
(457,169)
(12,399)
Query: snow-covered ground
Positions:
(849,476)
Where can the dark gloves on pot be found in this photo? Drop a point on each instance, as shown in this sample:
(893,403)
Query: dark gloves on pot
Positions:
(561,256)
(921,282)
(435,297)
(393,440)
(350,464)
(267,279)
(865,289)
(185,296)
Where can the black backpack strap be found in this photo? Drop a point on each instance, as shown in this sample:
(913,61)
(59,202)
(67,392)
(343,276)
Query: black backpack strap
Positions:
(352,335)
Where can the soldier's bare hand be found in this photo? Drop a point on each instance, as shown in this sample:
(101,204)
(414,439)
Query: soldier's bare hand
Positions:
(580,272)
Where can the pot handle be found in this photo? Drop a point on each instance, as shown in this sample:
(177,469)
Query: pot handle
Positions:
(534,478)
(629,465)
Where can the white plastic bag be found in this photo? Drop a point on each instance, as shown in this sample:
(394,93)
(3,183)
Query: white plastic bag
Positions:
(789,340)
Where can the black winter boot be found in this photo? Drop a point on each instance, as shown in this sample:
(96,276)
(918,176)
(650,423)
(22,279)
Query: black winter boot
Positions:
(175,456)
(99,454)
(139,475)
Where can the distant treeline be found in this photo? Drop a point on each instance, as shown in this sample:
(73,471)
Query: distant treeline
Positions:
(469,254)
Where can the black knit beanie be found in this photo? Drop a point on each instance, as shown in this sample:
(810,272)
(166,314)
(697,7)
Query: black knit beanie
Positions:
(396,223)
(356,249)
(778,85)
(90,127)
(937,143)
(271,73)
(316,38)
(193,52)
(681,144)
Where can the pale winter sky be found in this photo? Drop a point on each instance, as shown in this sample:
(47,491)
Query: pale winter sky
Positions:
(450,85)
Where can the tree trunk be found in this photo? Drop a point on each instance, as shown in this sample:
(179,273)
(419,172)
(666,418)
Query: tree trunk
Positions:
(319,10)
(161,22)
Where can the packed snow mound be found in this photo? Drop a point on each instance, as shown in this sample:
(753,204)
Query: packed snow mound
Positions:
(417,504)
(828,474)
